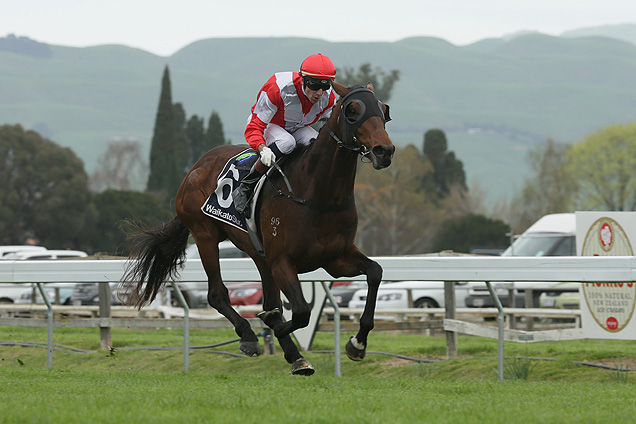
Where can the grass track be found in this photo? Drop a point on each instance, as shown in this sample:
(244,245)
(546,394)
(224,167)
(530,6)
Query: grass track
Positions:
(150,386)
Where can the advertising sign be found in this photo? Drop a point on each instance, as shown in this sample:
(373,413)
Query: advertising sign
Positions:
(607,309)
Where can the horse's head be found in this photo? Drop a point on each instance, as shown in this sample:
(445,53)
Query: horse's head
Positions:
(360,118)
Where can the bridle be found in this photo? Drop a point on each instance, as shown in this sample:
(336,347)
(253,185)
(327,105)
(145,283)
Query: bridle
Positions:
(369,106)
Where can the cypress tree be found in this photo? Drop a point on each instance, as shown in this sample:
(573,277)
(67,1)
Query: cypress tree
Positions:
(162,150)
(448,170)
(195,131)
(214,136)
(181,148)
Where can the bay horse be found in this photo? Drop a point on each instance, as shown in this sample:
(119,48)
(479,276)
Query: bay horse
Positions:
(315,228)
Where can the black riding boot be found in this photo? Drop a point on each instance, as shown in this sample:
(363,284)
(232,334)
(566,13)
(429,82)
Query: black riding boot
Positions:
(244,192)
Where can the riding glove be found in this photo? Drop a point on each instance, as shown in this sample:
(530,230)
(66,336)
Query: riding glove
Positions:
(267,156)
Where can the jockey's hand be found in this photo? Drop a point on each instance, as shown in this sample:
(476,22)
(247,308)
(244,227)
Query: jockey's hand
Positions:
(267,156)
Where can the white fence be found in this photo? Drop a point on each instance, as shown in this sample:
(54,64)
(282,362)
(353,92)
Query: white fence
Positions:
(417,268)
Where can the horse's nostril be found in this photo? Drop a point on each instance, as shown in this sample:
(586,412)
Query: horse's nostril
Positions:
(383,151)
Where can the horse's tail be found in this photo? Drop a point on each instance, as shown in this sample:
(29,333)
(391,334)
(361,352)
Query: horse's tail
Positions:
(157,255)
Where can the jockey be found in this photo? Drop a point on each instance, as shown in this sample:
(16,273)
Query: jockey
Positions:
(286,106)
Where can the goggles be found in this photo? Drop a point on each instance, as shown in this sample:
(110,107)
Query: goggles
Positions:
(316,84)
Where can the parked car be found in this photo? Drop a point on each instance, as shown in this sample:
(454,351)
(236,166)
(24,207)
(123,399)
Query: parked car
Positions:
(88,294)
(45,254)
(552,235)
(6,250)
(63,290)
(196,294)
(245,293)
(424,294)
(10,293)
(562,300)
(343,293)
(479,297)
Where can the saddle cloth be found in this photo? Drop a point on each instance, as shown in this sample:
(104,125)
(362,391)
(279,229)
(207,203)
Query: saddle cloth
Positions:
(220,204)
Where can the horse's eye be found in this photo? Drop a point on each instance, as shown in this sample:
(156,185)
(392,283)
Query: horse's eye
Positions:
(351,114)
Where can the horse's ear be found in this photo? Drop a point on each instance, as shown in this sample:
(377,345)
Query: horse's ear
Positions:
(340,89)
(370,86)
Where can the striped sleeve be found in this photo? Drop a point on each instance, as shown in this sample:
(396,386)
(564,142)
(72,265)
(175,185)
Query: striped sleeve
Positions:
(268,103)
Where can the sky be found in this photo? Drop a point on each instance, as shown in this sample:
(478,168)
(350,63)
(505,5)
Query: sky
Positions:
(163,27)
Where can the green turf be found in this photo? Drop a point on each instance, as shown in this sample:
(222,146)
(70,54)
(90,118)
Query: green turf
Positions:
(150,385)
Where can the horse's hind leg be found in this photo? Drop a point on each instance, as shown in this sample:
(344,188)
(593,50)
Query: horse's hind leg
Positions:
(272,317)
(219,299)
(351,265)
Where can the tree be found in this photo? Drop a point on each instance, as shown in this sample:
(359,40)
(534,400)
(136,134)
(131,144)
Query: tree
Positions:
(115,207)
(214,136)
(448,170)
(603,164)
(395,217)
(44,191)
(177,143)
(164,165)
(195,132)
(121,167)
(463,233)
(182,148)
(548,190)
(382,82)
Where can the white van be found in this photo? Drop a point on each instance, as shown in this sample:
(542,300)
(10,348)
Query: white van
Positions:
(552,235)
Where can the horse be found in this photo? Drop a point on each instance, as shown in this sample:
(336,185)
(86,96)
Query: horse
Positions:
(313,228)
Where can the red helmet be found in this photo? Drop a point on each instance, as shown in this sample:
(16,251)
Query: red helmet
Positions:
(318,66)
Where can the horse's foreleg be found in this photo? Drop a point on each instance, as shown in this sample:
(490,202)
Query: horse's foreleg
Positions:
(272,317)
(300,366)
(287,280)
(350,266)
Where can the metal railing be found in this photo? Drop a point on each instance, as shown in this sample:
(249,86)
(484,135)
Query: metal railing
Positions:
(424,268)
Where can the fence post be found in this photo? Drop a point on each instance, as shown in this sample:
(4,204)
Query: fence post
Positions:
(105,333)
(529,304)
(186,325)
(500,331)
(336,328)
(512,319)
(451,336)
(49,326)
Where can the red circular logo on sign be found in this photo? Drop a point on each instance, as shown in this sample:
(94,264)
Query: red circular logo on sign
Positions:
(606,235)
(612,323)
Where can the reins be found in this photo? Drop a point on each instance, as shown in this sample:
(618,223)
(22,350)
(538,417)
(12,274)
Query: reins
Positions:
(319,206)
(349,141)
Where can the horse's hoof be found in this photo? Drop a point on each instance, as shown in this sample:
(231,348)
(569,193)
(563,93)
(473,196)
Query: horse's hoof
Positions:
(250,348)
(355,353)
(302,367)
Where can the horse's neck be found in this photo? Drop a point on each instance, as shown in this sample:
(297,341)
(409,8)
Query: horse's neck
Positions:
(331,169)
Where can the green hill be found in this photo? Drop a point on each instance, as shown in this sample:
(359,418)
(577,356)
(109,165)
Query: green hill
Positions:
(495,99)
(625,32)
